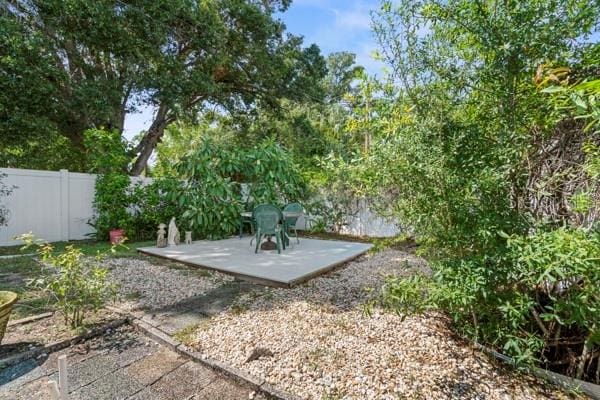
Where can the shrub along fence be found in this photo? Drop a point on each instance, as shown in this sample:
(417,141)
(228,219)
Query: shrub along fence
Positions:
(58,206)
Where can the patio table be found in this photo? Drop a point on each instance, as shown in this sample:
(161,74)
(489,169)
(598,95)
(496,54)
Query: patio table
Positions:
(286,214)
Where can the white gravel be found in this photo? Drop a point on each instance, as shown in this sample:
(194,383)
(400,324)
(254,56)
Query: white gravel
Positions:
(325,347)
(148,284)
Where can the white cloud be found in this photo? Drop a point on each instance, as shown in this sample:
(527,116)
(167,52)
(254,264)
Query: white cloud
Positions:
(349,29)
(353,19)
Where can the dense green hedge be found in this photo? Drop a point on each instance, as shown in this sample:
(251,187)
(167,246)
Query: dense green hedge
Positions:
(205,196)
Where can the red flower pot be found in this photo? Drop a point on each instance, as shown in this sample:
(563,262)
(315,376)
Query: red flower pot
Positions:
(116,236)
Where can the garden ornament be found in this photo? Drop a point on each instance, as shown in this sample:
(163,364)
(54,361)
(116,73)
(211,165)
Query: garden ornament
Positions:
(173,234)
(161,240)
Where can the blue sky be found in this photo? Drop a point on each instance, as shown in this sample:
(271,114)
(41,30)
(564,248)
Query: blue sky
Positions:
(334,25)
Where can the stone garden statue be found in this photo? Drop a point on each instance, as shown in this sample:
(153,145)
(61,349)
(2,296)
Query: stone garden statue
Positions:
(173,235)
(188,237)
(161,240)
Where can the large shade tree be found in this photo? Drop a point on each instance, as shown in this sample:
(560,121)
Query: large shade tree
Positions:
(73,65)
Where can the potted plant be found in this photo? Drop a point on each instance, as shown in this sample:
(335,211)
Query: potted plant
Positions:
(7,300)
(118,234)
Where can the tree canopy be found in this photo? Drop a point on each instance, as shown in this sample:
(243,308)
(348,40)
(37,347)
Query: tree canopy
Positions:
(73,65)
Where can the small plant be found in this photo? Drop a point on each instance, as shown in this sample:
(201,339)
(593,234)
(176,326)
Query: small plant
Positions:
(77,283)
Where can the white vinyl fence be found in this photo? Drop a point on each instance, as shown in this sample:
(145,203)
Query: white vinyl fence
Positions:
(53,205)
(57,206)
(361,222)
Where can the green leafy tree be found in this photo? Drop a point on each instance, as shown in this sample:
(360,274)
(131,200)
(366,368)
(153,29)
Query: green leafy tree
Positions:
(75,65)
(483,167)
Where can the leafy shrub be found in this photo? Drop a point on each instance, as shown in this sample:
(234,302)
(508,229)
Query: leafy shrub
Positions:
(546,295)
(212,205)
(272,175)
(460,155)
(77,283)
(213,174)
(153,204)
(112,205)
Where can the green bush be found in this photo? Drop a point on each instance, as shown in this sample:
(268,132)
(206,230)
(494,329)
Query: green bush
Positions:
(78,283)
(542,290)
(112,205)
(213,174)
(153,204)
(462,154)
(136,208)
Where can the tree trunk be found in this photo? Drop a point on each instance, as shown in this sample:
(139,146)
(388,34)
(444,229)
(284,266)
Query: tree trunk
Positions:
(150,140)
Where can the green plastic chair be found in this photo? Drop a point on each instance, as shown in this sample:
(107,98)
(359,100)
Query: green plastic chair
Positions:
(246,220)
(290,222)
(267,220)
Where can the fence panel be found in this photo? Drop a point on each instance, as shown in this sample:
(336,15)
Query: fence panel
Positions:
(53,205)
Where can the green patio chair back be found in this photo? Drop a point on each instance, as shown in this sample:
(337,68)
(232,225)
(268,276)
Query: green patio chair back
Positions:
(266,219)
(290,222)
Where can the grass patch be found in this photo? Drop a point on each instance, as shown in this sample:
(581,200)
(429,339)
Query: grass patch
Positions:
(186,335)
(14,275)
(88,247)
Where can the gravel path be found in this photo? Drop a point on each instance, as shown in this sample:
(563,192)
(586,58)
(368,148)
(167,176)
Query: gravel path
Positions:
(145,283)
(316,341)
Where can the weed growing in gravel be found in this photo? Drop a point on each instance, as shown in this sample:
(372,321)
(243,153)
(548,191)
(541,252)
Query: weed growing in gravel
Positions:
(187,335)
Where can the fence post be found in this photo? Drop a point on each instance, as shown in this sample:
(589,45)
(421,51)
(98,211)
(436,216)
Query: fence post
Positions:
(64,205)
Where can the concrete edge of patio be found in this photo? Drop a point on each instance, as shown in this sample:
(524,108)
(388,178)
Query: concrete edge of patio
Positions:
(257,384)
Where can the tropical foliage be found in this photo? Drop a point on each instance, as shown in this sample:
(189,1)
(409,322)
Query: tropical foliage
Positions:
(222,180)
(486,148)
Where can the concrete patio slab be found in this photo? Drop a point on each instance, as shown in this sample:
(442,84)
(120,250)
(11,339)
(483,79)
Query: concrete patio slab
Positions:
(234,256)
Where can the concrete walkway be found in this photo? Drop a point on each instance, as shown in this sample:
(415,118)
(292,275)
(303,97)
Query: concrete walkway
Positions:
(121,365)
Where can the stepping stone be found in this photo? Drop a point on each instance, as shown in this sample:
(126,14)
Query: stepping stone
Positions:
(222,389)
(147,394)
(149,369)
(88,371)
(115,386)
(37,389)
(184,382)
